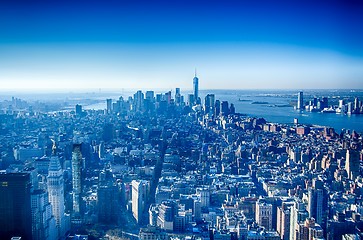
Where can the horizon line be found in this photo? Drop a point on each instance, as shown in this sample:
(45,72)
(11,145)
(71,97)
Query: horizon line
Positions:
(120,90)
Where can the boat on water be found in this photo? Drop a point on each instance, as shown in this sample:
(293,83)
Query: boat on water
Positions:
(244,100)
(259,102)
(328,110)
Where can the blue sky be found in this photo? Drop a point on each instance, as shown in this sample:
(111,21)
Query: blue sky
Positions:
(156,44)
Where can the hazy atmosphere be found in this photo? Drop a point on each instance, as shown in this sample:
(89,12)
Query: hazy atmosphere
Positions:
(233,45)
(181,120)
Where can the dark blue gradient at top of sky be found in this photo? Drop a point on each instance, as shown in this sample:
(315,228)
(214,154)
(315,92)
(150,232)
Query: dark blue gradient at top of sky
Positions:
(332,25)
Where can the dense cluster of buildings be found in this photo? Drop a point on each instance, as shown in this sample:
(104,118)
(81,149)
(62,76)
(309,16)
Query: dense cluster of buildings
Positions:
(157,166)
(322,105)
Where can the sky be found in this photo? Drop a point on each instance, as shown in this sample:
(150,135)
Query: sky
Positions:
(158,44)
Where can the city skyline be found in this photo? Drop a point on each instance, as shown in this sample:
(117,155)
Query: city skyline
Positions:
(152,166)
(234,45)
(220,120)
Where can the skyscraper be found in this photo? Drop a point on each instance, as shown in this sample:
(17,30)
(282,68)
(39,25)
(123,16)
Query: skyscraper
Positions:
(107,202)
(357,105)
(76,177)
(191,100)
(352,163)
(109,105)
(139,196)
(15,207)
(138,104)
(149,101)
(232,109)
(196,88)
(108,198)
(153,214)
(43,222)
(177,96)
(298,216)
(204,195)
(167,212)
(315,201)
(55,183)
(78,110)
(168,97)
(283,220)
(324,102)
(300,101)
(209,104)
(149,95)
(217,108)
(224,108)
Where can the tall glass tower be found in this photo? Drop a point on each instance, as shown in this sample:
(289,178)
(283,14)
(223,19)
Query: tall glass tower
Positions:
(195,87)
(76,177)
(15,207)
(300,100)
(55,184)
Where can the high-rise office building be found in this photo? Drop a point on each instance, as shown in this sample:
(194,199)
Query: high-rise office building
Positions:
(138,104)
(204,194)
(153,214)
(78,110)
(197,210)
(149,95)
(352,163)
(298,216)
(167,212)
(139,197)
(116,107)
(177,96)
(283,220)
(76,177)
(224,108)
(350,108)
(168,97)
(15,207)
(315,101)
(109,105)
(217,108)
(107,202)
(300,100)
(341,103)
(191,100)
(325,102)
(209,104)
(55,184)
(232,109)
(316,201)
(108,197)
(43,222)
(196,88)
(357,105)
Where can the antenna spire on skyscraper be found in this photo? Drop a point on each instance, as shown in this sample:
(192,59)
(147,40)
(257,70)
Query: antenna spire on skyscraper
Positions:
(196,87)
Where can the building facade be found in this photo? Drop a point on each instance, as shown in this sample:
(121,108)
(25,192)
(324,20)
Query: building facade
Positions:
(76,178)
(15,207)
(55,184)
(140,192)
